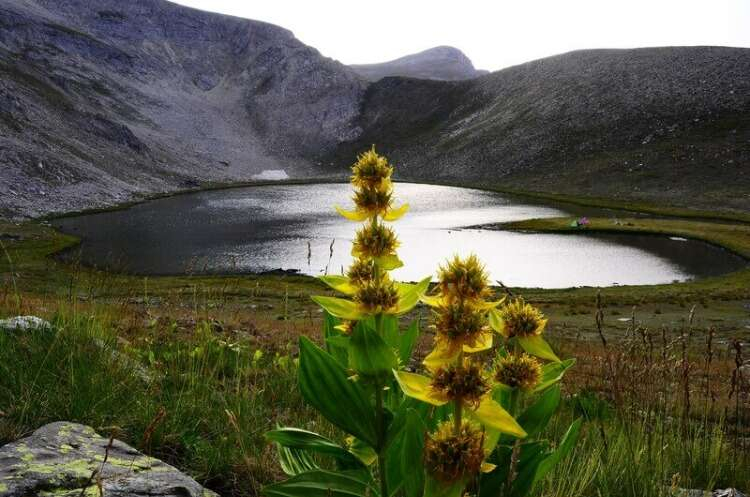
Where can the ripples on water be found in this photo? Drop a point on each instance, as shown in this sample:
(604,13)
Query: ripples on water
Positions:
(265,228)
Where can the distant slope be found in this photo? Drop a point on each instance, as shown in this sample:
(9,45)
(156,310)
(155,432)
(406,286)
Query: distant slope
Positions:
(440,63)
(663,124)
(100,101)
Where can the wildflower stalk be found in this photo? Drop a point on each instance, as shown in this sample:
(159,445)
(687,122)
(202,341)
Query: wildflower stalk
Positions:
(363,353)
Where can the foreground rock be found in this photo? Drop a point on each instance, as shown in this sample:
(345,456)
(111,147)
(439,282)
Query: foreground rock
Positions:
(68,460)
(24,323)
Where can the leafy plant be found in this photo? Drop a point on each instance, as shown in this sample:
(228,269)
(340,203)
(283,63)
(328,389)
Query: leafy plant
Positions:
(465,426)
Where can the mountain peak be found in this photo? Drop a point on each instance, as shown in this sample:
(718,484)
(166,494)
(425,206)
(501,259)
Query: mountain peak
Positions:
(440,63)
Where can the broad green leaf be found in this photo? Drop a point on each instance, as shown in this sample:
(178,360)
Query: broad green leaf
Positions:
(531,456)
(409,295)
(321,483)
(294,462)
(535,345)
(295,438)
(553,372)
(418,387)
(412,468)
(490,414)
(390,331)
(389,262)
(538,414)
(496,321)
(325,385)
(369,355)
(364,452)
(339,283)
(341,308)
(566,445)
(336,344)
(408,341)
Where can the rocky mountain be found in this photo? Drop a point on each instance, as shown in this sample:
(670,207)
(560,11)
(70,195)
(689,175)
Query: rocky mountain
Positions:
(102,102)
(670,125)
(440,63)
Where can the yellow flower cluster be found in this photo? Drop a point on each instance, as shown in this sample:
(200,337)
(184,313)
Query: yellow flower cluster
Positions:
(452,455)
(367,281)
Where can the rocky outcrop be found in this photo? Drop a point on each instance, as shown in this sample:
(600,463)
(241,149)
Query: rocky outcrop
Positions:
(71,460)
(104,101)
(440,63)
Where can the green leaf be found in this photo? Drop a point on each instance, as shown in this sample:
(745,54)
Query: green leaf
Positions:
(341,308)
(339,283)
(496,321)
(535,345)
(566,445)
(369,355)
(326,386)
(412,468)
(532,455)
(364,452)
(408,341)
(321,483)
(389,262)
(553,372)
(538,414)
(295,438)
(294,461)
(336,343)
(409,295)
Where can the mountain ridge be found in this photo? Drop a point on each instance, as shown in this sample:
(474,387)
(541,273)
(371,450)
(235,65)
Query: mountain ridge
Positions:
(104,103)
(443,63)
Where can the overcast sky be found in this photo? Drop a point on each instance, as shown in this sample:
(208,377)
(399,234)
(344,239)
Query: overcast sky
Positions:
(494,33)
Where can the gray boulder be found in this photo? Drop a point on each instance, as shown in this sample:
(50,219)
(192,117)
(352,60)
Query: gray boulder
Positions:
(68,460)
(24,323)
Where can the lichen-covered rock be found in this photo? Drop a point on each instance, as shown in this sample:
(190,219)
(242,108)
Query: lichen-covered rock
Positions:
(68,460)
(24,323)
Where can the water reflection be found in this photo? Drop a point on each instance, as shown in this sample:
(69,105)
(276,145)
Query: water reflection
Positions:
(266,228)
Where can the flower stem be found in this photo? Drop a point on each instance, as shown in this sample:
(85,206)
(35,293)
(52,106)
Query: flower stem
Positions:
(381,440)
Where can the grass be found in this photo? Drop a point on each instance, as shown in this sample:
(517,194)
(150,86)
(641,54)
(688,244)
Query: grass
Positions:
(218,355)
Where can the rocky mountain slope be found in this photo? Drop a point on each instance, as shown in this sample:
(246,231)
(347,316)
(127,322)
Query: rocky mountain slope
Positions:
(440,63)
(664,124)
(102,102)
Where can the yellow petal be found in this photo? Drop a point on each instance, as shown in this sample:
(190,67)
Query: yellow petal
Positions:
(352,215)
(487,467)
(339,283)
(395,214)
(434,300)
(484,342)
(491,415)
(418,387)
(442,354)
(491,305)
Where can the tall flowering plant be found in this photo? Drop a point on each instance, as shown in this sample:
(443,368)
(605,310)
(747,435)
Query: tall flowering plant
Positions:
(468,423)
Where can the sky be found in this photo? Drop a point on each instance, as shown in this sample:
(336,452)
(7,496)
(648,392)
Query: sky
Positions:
(494,33)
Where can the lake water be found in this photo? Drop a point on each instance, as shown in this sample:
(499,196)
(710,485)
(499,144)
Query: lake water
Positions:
(264,228)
